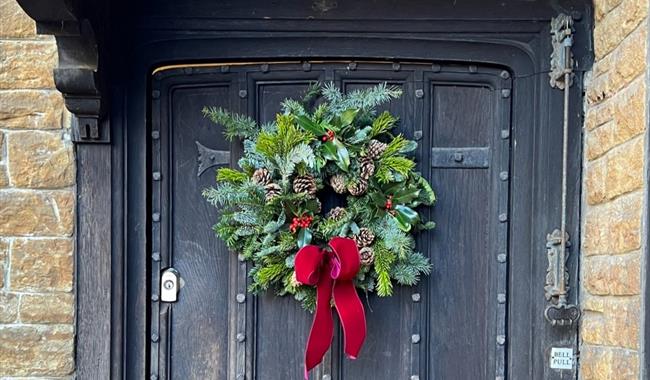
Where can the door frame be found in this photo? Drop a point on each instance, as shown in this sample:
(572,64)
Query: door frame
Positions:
(113,180)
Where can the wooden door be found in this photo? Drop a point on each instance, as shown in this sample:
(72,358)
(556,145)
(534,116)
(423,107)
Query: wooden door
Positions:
(452,326)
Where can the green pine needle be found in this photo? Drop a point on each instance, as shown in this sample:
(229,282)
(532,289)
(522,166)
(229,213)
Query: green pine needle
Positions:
(382,124)
(231,175)
(234,125)
(384,258)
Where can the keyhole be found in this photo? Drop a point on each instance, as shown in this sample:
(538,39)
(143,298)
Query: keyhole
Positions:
(169,284)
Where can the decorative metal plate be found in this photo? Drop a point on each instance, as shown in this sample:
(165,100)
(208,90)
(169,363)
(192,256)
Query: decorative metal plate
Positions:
(460,158)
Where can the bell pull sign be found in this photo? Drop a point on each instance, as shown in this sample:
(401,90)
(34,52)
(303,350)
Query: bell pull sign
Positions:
(561,358)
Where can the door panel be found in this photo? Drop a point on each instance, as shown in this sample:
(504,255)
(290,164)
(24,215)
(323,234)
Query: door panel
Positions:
(187,242)
(390,321)
(281,323)
(446,328)
(462,292)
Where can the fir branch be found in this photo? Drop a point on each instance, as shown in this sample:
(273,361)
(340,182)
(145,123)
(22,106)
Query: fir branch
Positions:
(247,217)
(366,100)
(281,142)
(253,159)
(271,273)
(230,175)
(408,271)
(394,238)
(307,297)
(395,146)
(384,258)
(389,167)
(291,106)
(234,125)
(301,153)
(382,124)
(312,93)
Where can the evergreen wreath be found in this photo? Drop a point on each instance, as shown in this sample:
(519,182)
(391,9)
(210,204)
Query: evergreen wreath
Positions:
(341,154)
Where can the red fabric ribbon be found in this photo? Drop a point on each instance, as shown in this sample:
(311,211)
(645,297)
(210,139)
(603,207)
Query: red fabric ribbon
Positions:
(332,270)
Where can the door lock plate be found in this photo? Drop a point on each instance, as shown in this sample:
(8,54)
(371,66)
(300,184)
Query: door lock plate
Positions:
(169,285)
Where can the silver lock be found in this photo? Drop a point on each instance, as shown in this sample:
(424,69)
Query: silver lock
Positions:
(169,285)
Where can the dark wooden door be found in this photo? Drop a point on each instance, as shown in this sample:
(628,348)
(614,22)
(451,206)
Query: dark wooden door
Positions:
(452,326)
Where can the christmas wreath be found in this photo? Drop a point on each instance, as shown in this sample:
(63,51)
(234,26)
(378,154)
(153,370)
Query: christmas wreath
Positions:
(327,184)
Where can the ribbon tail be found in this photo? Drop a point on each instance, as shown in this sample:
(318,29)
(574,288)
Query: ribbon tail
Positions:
(352,316)
(322,328)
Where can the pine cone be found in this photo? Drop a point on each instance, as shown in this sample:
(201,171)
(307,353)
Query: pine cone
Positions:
(366,255)
(366,167)
(364,238)
(358,188)
(262,176)
(304,184)
(272,190)
(375,149)
(338,184)
(336,213)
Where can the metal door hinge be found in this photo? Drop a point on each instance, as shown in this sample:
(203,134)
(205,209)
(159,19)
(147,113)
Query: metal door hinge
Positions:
(170,284)
(558,312)
(208,158)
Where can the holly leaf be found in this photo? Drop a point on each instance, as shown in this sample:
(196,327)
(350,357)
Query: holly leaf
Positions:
(378,199)
(304,237)
(408,213)
(401,223)
(347,117)
(308,125)
(329,151)
(342,155)
(406,217)
(359,135)
(409,147)
(406,195)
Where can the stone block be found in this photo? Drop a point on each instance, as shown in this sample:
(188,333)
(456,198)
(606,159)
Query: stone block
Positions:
(30,213)
(47,308)
(8,308)
(41,265)
(32,350)
(616,24)
(612,275)
(27,64)
(613,227)
(598,363)
(625,168)
(31,109)
(611,321)
(40,160)
(595,181)
(4,255)
(15,22)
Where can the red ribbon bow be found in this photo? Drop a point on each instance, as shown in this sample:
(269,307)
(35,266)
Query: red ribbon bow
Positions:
(332,271)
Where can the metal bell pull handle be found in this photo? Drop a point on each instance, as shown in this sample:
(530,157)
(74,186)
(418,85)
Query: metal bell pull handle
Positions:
(558,312)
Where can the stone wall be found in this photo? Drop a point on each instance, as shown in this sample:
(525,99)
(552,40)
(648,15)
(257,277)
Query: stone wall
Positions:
(37,198)
(614,184)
